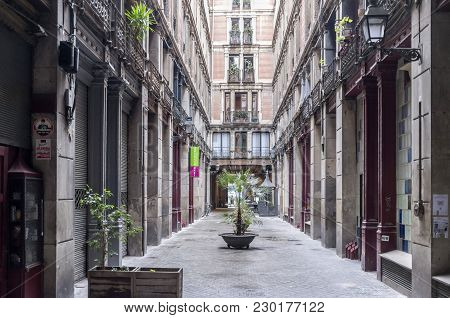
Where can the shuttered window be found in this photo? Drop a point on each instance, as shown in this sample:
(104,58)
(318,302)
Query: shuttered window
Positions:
(81,179)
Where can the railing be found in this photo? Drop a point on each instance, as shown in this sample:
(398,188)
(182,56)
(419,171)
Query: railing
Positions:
(316,97)
(179,114)
(167,96)
(234,77)
(249,76)
(261,152)
(306,109)
(349,54)
(219,152)
(330,78)
(240,116)
(248,37)
(235,37)
(240,153)
(153,78)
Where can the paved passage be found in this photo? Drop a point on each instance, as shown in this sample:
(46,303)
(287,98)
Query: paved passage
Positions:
(281,262)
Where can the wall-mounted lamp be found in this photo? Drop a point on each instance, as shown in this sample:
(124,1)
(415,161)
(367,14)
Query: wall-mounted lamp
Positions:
(188,126)
(374,25)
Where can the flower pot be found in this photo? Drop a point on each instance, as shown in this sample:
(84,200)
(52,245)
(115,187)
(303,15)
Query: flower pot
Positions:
(238,241)
(135,282)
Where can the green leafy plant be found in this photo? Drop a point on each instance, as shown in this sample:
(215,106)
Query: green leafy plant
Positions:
(240,114)
(248,66)
(141,19)
(322,62)
(246,186)
(234,69)
(107,217)
(339,28)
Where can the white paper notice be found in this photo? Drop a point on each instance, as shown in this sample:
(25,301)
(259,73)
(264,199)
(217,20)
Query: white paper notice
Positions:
(440,204)
(440,227)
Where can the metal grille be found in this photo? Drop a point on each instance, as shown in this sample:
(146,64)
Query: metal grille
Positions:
(396,274)
(15,83)
(440,290)
(81,179)
(124,169)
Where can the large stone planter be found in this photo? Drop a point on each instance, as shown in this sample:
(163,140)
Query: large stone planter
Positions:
(238,241)
(135,282)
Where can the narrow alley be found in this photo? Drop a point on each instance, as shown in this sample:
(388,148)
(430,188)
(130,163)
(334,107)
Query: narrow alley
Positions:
(281,262)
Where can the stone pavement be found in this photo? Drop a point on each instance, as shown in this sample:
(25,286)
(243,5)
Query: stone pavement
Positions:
(281,262)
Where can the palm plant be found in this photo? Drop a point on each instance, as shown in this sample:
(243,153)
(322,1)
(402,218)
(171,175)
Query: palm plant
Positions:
(246,186)
(141,19)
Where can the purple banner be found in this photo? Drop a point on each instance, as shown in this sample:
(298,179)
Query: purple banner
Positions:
(195,172)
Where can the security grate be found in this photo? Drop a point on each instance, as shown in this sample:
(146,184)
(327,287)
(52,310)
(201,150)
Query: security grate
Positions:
(440,290)
(397,274)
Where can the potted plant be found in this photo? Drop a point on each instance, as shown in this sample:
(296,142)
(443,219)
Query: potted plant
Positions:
(342,30)
(240,114)
(113,281)
(245,185)
(140,19)
(233,72)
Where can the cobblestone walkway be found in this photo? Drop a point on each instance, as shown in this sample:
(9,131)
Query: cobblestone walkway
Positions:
(281,262)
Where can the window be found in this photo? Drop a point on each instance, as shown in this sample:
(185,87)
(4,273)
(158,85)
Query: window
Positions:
(221,145)
(249,69)
(254,107)
(234,70)
(235,32)
(261,145)
(236,4)
(227,108)
(246,4)
(248,31)
(240,142)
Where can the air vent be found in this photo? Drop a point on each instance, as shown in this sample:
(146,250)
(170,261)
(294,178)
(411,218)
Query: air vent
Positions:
(440,290)
(396,276)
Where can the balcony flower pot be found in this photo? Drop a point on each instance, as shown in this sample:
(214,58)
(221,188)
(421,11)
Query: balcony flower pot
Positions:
(135,282)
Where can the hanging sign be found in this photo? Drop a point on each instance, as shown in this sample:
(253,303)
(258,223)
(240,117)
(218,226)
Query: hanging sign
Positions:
(194,162)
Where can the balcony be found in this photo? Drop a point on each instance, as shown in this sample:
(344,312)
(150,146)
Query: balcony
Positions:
(234,75)
(261,152)
(235,37)
(153,79)
(220,153)
(316,97)
(241,153)
(248,37)
(240,117)
(179,114)
(249,76)
(330,78)
(167,97)
(306,109)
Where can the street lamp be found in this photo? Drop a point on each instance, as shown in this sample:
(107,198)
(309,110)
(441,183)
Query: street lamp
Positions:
(374,25)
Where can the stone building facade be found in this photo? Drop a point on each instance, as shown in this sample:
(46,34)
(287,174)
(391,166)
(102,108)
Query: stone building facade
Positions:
(241,113)
(359,161)
(124,120)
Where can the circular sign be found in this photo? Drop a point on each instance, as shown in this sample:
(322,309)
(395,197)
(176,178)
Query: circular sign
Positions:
(43,126)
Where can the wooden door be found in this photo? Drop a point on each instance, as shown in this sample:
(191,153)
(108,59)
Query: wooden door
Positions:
(3,217)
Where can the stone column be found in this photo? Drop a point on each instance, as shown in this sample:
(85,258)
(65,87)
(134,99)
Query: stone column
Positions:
(140,161)
(113,158)
(184,168)
(97,119)
(430,131)
(166,191)
(370,217)
(154,184)
(298,186)
(387,165)
(345,174)
(315,179)
(328,169)
(290,185)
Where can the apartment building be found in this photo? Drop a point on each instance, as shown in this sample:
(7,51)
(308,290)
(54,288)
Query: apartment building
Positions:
(358,158)
(96,105)
(242,66)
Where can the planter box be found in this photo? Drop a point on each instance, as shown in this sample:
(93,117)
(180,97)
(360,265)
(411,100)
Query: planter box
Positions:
(135,283)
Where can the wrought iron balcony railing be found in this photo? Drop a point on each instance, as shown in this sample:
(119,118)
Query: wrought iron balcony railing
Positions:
(306,109)
(234,76)
(167,96)
(241,153)
(235,37)
(240,116)
(219,152)
(249,76)
(248,37)
(153,78)
(261,152)
(330,78)
(316,97)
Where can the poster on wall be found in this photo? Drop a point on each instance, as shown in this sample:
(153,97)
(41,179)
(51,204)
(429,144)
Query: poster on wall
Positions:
(440,227)
(440,204)
(43,149)
(43,127)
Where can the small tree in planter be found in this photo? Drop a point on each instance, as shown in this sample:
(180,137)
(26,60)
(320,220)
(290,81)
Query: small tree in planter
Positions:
(141,19)
(242,217)
(105,281)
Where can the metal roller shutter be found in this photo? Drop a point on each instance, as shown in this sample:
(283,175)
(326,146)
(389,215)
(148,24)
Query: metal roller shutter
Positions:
(15,90)
(124,168)
(81,179)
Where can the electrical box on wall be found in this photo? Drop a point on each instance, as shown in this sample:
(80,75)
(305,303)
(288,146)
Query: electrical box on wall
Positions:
(68,57)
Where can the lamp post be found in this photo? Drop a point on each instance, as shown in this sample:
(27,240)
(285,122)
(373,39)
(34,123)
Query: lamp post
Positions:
(374,25)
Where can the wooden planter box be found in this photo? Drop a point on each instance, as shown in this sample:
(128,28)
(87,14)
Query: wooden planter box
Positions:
(135,283)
